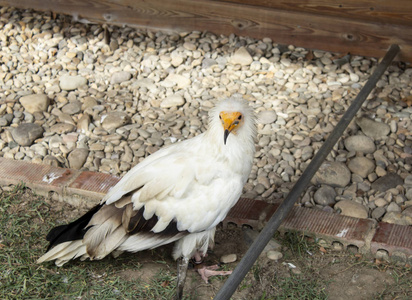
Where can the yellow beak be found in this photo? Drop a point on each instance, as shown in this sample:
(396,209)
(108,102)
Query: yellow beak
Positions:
(230,121)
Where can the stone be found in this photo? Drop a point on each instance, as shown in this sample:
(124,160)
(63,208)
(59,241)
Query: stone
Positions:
(389,181)
(26,133)
(115,120)
(120,77)
(334,174)
(70,83)
(208,62)
(397,218)
(241,57)
(34,103)
(39,149)
(378,212)
(83,123)
(51,161)
(408,180)
(77,158)
(55,141)
(228,258)
(189,46)
(176,61)
(380,202)
(373,129)
(325,195)
(393,207)
(266,117)
(362,166)
(4,122)
(274,255)
(408,194)
(407,211)
(249,236)
(61,128)
(352,209)
(360,143)
(88,102)
(66,118)
(71,108)
(173,101)
(180,81)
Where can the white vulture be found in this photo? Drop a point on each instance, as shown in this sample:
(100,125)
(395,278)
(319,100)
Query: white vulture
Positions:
(177,194)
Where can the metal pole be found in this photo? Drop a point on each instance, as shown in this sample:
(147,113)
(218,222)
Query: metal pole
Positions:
(269,230)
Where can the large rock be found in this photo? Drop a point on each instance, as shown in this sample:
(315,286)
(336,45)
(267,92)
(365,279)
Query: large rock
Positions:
(325,196)
(389,181)
(26,133)
(352,209)
(267,117)
(69,83)
(35,102)
(73,107)
(120,77)
(180,80)
(360,143)
(241,57)
(373,129)
(334,174)
(173,101)
(115,120)
(77,158)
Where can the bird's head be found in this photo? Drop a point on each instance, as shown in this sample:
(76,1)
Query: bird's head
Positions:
(231,121)
(235,117)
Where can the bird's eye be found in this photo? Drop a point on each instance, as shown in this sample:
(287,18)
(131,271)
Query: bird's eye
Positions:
(240,117)
(220,117)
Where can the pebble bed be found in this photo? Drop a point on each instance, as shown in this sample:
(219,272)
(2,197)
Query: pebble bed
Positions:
(101,98)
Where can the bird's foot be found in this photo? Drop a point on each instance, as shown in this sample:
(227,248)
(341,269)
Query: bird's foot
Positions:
(207,272)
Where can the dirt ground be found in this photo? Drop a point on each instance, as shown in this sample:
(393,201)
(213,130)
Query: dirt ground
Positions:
(320,273)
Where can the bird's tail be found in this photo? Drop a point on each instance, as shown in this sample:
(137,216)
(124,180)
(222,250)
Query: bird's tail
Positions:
(66,241)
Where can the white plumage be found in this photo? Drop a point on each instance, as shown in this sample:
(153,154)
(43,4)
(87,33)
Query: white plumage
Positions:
(179,193)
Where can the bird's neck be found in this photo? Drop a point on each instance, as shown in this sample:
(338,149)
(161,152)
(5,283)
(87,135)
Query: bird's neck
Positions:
(239,147)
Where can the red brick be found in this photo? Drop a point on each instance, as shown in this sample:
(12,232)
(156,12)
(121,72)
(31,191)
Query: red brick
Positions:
(392,238)
(330,226)
(246,212)
(92,184)
(38,177)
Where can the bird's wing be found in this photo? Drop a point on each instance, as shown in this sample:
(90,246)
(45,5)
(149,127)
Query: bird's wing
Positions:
(180,183)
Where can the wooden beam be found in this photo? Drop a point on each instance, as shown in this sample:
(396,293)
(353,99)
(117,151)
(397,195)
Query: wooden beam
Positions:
(309,25)
(378,11)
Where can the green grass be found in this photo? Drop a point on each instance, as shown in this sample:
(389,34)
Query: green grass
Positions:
(300,287)
(25,219)
(285,285)
(300,245)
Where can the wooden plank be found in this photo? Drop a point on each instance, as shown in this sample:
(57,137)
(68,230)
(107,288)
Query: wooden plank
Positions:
(315,31)
(378,11)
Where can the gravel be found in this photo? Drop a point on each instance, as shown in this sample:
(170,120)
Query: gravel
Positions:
(69,99)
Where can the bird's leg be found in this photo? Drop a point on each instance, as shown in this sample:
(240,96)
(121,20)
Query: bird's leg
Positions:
(182,265)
